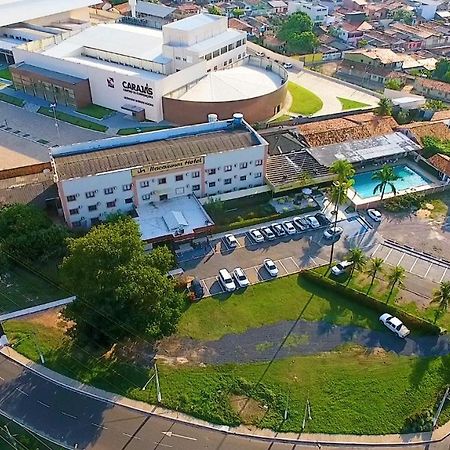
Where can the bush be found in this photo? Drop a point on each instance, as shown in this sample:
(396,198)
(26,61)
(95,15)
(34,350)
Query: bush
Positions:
(404,202)
(419,422)
(411,321)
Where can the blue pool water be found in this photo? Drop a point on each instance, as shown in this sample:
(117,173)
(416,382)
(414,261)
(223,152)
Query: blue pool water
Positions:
(364,185)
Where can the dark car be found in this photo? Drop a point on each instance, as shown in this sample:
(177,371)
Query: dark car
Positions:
(197,288)
(322,219)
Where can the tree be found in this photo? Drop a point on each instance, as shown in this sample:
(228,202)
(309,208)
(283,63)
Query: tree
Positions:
(27,233)
(386,177)
(402,117)
(363,43)
(442,70)
(213,9)
(394,83)
(396,277)
(304,42)
(121,291)
(435,105)
(384,107)
(375,266)
(343,169)
(357,256)
(403,15)
(237,12)
(297,32)
(441,296)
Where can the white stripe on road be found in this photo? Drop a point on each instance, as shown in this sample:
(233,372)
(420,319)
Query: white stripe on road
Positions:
(426,273)
(68,415)
(99,426)
(22,392)
(43,404)
(389,253)
(401,259)
(205,286)
(131,436)
(160,444)
(295,262)
(1,378)
(412,267)
(379,245)
(282,265)
(443,275)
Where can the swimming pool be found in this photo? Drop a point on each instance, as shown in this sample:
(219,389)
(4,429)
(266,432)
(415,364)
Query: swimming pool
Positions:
(364,185)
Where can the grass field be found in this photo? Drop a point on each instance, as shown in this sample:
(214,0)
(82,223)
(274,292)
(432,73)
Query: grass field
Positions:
(282,118)
(351,104)
(286,298)
(303,101)
(73,120)
(5,74)
(99,112)
(10,99)
(351,391)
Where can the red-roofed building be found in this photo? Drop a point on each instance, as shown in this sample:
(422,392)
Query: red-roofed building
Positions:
(442,163)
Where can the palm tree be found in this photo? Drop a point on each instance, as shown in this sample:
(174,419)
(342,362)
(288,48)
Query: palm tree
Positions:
(375,266)
(441,296)
(384,107)
(338,193)
(357,256)
(343,169)
(386,177)
(396,277)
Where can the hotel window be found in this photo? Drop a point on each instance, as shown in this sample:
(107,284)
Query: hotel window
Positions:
(230,47)
(111,204)
(227,181)
(144,184)
(230,61)
(195,174)
(108,191)
(195,187)
(90,194)
(92,207)
(162,181)
(259,162)
(216,53)
(71,198)
(178,177)
(211,171)
(127,187)
(179,191)
(243,177)
(177,58)
(228,168)
(223,50)
(74,211)
(258,175)
(243,165)
(212,184)
(146,196)
(129,200)
(208,57)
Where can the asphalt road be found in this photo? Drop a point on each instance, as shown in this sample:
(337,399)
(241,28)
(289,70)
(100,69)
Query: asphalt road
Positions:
(83,422)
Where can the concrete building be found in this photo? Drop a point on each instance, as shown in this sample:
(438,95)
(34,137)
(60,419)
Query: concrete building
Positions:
(153,15)
(159,173)
(132,68)
(314,10)
(278,7)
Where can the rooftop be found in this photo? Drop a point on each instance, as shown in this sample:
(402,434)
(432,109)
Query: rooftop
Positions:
(419,130)
(118,153)
(15,11)
(432,84)
(196,21)
(277,4)
(385,55)
(154,9)
(364,149)
(441,162)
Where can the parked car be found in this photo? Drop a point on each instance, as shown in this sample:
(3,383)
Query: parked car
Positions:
(395,325)
(333,232)
(256,235)
(226,281)
(230,240)
(240,277)
(313,222)
(287,65)
(305,222)
(271,267)
(374,214)
(341,268)
(289,227)
(299,224)
(197,288)
(278,229)
(268,233)
(322,218)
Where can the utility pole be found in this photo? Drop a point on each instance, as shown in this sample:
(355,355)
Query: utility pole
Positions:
(53,107)
(158,390)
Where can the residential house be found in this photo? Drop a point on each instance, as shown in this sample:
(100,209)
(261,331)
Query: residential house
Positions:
(419,130)
(349,33)
(428,36)
(154,15)
(314,10)
(427,8)
(186,10)
(379,39)
(442,163)
(278,7)
(435,89)
(354,5)
(240,24)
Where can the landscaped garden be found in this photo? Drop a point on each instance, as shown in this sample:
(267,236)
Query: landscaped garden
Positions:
(304,102)
(5,74)
(351,104)
(10,99)
(97,111)
(73,119)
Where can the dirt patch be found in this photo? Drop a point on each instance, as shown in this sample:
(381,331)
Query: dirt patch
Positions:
(51,318)
(378,351)
(176,350)
(423,213)
(249,410)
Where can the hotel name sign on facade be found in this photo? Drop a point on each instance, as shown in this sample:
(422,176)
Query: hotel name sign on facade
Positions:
(162,167)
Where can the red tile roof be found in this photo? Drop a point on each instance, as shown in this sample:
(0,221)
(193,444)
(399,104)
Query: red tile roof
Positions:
(441,162)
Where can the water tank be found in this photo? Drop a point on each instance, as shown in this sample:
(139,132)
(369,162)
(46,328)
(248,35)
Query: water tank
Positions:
(212,117)
(237,118)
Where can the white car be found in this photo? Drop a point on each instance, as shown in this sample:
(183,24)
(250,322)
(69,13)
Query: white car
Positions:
(341,268)
(271,267)
(230,240)
(256,235)
(278,229)
(268,233)
(374,214)
(226,281)
(240,277)
(289,227)
(300,223)
(395,325)
(313,222)
(333,232)
(287,65)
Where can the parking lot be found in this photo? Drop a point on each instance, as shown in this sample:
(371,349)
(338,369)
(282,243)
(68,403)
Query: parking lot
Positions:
(422,266)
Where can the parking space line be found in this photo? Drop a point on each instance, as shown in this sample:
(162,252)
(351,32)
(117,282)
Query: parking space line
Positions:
(205,287)
(401,259)
(389,254)
(295,262)
(282,265)
(426,273)
(412,267)
(443,275)
(378,247)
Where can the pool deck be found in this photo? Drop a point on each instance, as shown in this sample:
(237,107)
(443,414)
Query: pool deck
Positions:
(434,185)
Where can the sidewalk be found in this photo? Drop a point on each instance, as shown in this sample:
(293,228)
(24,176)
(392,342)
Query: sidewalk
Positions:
(268,435)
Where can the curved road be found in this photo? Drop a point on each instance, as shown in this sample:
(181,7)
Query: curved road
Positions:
(83,422)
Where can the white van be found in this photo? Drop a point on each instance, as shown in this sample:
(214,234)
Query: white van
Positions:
(226,280)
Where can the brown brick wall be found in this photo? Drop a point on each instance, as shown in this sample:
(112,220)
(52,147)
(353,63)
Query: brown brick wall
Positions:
(24,170)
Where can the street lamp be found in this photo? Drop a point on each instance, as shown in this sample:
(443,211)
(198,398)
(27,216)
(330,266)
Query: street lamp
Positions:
(53,107)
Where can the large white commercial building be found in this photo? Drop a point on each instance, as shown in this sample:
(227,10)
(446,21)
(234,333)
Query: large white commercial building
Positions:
(159,175)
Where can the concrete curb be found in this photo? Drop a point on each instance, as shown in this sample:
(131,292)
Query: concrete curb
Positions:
(393,440)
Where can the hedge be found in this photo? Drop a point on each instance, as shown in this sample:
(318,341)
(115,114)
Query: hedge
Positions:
(410,320)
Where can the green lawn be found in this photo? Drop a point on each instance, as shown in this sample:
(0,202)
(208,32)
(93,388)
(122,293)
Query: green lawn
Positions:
(303,101)
(99,112)
(351,391)
(20,289)
(10,99)
(5,74)
(285,298)
(282,118)
(351,104)
(135,130)
(73,120)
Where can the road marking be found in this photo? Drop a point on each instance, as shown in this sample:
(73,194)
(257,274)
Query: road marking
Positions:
(373,254)
(443,275)
(43,404)
(295,262)
(171,434)
(68,415)
(313,261)
(426,273)
(159,444)
(205,286)
(22,392)
(389,253)
(1,378)
(412,267)
(131,436)
(282,265)
(401,259)
(99,426)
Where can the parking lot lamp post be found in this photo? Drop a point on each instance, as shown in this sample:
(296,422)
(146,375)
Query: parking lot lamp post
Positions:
(53,107)
(158,389)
